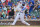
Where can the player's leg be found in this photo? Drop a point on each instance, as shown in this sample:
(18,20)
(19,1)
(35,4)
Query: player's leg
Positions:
(22,19)
(15,20)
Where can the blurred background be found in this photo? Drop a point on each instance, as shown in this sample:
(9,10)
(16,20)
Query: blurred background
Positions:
(32,12)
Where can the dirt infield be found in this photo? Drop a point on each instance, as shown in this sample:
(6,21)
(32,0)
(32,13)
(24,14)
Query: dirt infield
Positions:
(19,26)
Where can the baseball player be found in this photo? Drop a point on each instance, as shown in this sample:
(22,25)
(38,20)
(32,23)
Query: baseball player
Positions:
(20,15)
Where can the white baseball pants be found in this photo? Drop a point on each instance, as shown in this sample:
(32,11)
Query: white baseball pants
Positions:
(21,16)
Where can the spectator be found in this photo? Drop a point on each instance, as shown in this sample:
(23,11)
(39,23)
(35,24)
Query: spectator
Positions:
(34,17)
(27,6)
(5,8)
(4,4)
(12,10)
(39,9)
(10,3)
(7,1)
(28,17)
(1,18)
(1,15)
(0,6)
(13,5)
(38,17)
(3,1)
(11,13)
(31,1)
(8,10)
(38,6)
(4,14)
(38,1)
(31,7)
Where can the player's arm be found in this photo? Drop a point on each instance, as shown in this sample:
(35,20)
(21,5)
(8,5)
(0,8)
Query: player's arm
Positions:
(23,8)
(14,12)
